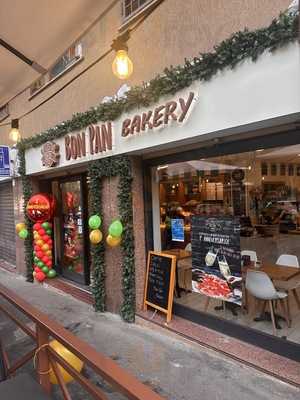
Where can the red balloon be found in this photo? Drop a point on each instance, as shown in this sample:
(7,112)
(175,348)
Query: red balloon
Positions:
(45,259)
(37,248)
(40,207)
(40,254)
(45,238)
(40,276)
(49,263)
(37,226)
(41,232)
(36,268)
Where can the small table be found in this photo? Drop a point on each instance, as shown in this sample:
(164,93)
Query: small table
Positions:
(180,255)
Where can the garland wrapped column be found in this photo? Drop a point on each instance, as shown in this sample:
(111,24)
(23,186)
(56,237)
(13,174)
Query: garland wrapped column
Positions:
(106,168)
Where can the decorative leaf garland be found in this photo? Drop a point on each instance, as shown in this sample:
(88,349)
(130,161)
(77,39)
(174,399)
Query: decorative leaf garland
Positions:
(27,193)
(240,46)
(111,167)
(227,54)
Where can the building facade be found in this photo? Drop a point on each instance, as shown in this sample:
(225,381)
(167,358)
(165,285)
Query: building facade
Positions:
(216,143)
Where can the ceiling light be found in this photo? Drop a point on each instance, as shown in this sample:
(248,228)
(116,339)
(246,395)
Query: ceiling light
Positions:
(260,150)
(14,133)
(162,167)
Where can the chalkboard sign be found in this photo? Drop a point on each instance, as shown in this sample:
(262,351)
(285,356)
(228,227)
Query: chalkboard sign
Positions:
(160,279)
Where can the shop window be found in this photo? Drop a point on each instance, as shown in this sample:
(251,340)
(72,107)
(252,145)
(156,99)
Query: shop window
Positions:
(66,62)
(131,7)
(4,112)
(291,169)
(69,57)
(264,169)
(282,169)
(273,169)
(232,220)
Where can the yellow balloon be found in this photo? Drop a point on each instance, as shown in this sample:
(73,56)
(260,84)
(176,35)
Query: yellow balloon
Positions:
(20,226)
(40,242)
(71,359)
(49,253)
(113,241)
(45,247)
(36,236)
(96,236)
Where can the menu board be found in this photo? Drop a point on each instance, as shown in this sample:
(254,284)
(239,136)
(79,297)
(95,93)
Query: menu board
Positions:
(216,257)
(177,229)
(160,279)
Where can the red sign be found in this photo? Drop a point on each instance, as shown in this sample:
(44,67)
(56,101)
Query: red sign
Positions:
(40,207)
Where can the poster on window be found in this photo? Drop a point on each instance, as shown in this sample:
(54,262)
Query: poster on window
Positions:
(177,229)
(216,257)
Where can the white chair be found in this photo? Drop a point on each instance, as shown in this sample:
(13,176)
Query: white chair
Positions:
(261,287)
(251,253)
(289,260)
(188,247)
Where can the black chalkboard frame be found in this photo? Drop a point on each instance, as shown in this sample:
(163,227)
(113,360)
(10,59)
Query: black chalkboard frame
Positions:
(168,310)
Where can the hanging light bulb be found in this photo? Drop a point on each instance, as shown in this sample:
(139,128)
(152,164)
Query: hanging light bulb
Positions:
(122,65)
(14,133)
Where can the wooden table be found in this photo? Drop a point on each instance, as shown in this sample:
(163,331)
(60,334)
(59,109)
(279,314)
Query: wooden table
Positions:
(277,272)
(180,255)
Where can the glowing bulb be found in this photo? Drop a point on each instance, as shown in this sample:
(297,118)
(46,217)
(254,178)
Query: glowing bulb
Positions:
(15,135)
(122,65)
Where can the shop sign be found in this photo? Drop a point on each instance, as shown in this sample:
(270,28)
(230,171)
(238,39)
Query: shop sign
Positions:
(160,116)
(97,140)
(4,161)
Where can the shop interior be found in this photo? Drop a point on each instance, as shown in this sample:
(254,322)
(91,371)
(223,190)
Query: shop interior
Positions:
(70,229)
(262,188)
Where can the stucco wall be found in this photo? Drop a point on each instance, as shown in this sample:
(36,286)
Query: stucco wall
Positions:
(176,29)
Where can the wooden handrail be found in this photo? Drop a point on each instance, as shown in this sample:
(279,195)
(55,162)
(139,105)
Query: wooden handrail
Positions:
(108,369)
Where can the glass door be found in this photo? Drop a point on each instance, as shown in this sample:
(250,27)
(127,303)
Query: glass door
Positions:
(74,251)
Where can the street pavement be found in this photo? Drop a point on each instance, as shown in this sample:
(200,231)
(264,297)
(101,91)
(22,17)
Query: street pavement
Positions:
(175,369)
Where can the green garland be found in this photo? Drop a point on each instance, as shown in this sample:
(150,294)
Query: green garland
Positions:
(230,52)
(106,168)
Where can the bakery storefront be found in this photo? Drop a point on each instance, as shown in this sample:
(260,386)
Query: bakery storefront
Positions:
(216,183)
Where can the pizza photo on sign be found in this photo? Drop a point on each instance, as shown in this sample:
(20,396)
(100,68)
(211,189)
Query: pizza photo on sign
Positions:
(216,259)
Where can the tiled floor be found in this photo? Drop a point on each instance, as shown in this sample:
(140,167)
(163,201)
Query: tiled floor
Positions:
(196,301)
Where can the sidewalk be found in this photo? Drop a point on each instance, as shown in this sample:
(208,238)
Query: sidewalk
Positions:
(175,369)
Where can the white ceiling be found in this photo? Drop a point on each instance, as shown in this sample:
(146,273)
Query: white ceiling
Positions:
(42,30)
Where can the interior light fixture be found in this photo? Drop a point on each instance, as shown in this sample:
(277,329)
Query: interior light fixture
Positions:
(162,167)
(260,150)
(14,133)
(122,65)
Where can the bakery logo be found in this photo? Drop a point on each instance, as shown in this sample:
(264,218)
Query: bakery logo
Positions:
(50,154)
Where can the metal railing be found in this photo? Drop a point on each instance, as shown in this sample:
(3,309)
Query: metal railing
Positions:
(47,358)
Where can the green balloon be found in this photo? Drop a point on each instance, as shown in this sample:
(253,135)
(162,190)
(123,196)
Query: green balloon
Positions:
(40,264)
(116,228)
(51,273)
(49,231)
(36,260)
(45,225)
(23,234)
(45,269)
(94,222)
